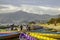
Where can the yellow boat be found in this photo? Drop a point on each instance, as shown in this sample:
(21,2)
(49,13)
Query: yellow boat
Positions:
(39,36)
(57,36)
(45,34)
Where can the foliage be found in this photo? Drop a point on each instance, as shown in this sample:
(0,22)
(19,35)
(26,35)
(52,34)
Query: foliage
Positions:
(32,22)
(54,20)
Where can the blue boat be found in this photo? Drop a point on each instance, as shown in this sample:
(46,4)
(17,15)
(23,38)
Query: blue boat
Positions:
(9,35)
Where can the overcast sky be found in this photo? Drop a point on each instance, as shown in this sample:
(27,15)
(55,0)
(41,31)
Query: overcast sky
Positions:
(31,6)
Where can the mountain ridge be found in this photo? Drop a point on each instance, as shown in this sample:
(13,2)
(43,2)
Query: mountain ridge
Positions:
(21,16)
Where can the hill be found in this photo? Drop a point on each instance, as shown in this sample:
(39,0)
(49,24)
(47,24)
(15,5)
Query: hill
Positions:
(22,16)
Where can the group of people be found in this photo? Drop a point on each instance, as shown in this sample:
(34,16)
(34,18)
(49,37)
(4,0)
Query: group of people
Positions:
(20,28)
(25,27)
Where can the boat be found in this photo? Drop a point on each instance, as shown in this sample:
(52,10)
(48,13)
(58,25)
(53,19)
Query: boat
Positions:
(8,35)
(24,36)
(42,33)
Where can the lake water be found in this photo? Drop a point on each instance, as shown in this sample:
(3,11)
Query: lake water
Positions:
(45,31)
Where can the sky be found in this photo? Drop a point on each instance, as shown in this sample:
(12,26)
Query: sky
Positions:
(31,6)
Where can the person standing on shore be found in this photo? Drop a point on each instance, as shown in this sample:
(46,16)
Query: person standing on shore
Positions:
(28,28)
(21,27)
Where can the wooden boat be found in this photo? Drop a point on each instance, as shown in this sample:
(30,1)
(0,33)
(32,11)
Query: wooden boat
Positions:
(8,35)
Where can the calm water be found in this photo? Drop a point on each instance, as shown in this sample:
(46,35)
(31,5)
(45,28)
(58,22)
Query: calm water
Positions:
(45,31)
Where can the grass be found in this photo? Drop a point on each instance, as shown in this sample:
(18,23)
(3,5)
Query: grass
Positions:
(57,27)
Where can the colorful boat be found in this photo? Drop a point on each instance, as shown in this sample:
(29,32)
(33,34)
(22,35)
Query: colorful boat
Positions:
(41,34)
(8,35)
(39,37)
(24,36)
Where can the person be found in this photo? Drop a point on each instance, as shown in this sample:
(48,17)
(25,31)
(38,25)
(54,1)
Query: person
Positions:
(28,28)
(12,26)
(24,27)
(21,27)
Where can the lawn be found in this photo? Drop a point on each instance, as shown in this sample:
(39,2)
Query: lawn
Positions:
(57,27)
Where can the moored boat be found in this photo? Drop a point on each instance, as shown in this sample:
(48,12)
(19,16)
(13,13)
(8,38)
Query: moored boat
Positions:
(44,33)
(8,35)
(24,36)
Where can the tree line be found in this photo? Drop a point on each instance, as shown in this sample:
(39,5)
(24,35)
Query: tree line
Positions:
(54,21)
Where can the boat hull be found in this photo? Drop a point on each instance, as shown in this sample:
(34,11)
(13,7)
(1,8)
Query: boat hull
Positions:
(10,36)
(56,36)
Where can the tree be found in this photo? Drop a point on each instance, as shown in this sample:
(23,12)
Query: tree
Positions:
(32,22)
(58,20)
(52,21)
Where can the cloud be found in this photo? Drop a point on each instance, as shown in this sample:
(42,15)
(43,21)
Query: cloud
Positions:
(8,8)
(30,9)
(40,9)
